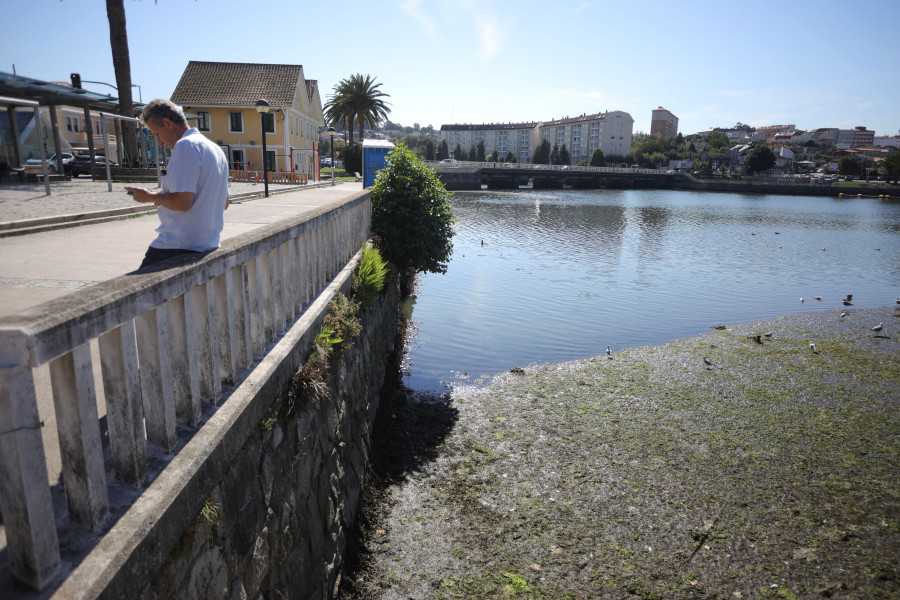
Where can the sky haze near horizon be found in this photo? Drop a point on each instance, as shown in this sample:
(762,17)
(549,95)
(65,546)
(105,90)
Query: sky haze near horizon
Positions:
(812,64)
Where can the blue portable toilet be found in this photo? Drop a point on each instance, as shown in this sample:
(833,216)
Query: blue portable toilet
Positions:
(374,154)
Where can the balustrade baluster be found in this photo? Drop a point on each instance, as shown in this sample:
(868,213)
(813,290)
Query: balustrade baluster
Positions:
(124,411)
(301,271)
(78,428)
(306,258)
(276,266)
(320,254)
(290,271)
(225,323)
(157,390)
(185,368)
(33,547)
(267,305)
(207,336)
(255,272)
(242,316)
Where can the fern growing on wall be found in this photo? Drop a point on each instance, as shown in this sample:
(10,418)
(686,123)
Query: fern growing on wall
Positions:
(370,277)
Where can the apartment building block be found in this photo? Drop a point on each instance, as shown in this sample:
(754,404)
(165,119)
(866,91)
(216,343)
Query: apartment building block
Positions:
(611,132)
(851,138)
(664,123)
(518,138)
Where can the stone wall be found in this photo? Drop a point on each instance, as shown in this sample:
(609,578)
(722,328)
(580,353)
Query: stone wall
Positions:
(276,522)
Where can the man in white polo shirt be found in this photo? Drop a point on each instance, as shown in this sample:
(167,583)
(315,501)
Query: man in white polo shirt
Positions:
(194,190)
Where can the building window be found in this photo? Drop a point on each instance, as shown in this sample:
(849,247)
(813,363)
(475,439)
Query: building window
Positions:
(270,160)
(268,120)
(203,120)
(236,122)
(237,160)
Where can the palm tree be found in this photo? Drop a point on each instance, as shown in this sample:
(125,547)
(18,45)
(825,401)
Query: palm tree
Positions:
(339,113)
(118,41)
(357,98)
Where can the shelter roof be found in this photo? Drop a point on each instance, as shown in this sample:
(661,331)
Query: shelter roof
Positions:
(50,93)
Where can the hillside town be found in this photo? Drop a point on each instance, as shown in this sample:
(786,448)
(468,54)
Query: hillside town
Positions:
(80,134)
(718,151)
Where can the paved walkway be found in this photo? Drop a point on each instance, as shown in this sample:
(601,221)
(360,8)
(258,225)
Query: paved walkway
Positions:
(38,267)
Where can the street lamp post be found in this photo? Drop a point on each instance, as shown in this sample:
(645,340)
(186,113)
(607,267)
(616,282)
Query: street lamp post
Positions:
(263,107)
(331,131)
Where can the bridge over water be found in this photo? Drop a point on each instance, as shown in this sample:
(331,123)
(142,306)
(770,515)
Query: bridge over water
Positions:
(511,176)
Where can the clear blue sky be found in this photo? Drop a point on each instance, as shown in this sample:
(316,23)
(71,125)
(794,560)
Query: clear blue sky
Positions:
(831,63)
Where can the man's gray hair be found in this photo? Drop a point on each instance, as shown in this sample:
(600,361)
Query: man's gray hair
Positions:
(159,109)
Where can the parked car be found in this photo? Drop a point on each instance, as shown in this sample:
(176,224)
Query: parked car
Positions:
(81,165)
(325,162)
(33,165)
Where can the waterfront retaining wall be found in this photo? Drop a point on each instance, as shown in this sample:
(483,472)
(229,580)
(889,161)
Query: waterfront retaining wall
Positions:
(262,505)
(287,501)
(156,377)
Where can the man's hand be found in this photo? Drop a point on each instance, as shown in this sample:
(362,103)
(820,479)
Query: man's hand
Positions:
(141,194)
(180,201)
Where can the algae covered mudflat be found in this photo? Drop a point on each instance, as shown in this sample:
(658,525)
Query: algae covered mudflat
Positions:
(773,473)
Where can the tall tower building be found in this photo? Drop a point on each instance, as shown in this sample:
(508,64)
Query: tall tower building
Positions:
(663,123)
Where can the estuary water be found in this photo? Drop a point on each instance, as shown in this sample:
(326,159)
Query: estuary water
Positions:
(550,276)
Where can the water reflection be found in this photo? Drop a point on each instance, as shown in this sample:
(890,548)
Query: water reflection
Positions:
(550,276)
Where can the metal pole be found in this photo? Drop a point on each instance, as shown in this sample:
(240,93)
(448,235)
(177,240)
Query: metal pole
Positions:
(37,125)
(332,159)
(106,151)
(262,126)
(140,132)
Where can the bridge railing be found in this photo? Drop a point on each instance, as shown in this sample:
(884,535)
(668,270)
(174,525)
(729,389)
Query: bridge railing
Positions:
(168,340)
(468,164)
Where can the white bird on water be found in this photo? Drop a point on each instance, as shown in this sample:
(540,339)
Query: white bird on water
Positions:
(801,299)
(812,346)
(845,314)
(708,362)
(608,352)
(877,329)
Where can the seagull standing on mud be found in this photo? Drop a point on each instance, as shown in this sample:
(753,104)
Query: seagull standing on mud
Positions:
(878,328)
(708,363)
(608,352)
(845,314)
(812,347)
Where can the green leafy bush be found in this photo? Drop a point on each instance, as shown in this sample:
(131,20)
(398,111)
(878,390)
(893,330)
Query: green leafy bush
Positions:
(352,157)
(411,214)
(369,278)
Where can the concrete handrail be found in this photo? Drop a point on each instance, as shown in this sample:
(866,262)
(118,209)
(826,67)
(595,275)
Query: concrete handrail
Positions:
(168,339)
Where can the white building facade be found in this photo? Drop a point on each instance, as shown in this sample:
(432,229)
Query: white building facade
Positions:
(517,138)
(611,132)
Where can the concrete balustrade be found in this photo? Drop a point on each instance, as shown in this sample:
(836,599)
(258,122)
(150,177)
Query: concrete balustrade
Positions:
(168,341)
